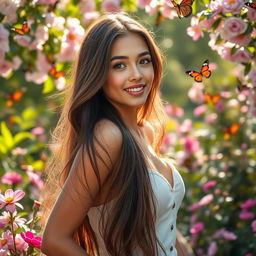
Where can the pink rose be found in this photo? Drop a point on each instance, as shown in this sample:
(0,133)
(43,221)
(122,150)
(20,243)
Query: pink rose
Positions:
(241,40)
(111,6)
(233,6)
(241,56)
(251,14)
(233,27)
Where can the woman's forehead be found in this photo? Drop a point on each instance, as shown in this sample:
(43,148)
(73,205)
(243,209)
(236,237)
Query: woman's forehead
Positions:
(131,42)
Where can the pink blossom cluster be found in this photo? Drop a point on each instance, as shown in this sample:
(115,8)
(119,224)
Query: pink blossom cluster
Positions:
(230,27)
(11,240)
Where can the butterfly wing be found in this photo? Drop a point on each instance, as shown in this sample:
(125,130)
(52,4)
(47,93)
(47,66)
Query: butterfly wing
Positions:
(205,69)
(59,74)
(177,8)
(234,128)
(25,27)
(18,30)
(196,75)
(252,5)
(185,10)
(215,98)
(186,2)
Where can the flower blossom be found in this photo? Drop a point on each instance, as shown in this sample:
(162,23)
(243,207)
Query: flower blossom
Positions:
(195,30)
(11,178)
(197,228)
(33,241)
(10,199)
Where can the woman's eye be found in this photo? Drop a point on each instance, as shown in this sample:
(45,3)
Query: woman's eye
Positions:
(145,61)
(118,65)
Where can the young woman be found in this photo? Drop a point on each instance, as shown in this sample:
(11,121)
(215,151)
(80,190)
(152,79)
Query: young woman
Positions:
(118,195)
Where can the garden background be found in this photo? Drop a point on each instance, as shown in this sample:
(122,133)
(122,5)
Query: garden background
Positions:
(212,138)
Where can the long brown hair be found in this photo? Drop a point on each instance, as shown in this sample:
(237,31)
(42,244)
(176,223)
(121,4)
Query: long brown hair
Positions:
(132,219)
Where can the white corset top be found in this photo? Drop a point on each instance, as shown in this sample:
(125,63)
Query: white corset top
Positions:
(168,201)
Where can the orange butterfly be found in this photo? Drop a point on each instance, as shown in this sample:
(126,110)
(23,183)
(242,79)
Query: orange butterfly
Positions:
(184,8)
(22,30)
(252,5)
(232,130)
(55,74)
(198,76)
(14,97)
(211,98)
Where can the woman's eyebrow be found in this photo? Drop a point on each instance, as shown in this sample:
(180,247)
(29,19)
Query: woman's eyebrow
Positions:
(126,57)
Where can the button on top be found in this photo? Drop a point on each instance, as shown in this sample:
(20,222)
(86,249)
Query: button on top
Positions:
(173,206)
(172,227)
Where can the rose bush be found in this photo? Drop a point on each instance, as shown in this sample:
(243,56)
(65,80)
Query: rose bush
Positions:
(218,166)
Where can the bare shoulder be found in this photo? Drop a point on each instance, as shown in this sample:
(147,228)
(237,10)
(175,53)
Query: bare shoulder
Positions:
(149,131)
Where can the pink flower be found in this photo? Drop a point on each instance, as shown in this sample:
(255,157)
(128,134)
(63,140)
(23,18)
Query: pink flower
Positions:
(143,3)
(197,228)
(16,62)
(233,26)
(200,110)
(210,184)
(254,226)
(229,235)
(246,215)
(251,14)
(89,16)
(36,77)
(6,240)
(5,68)
(241,40)
(220,106)
(87,6)
(173,110)
(191,145)
(233,6)
(213,248)
(33,241)
(6,218)
(248,204)
(211,118)
(195,93)
(206,200)
(207,23)
(35,177)
(195,30)
(216,6)
(252,76)
(152,7)
(3,252)
(19,151)
(56,22)
(111,6)
(10,199)
(167,11)
(20,244)
(186,126)
(194,207)
(47,2)
(11,178)
(37,130)
(4,42)
(241,56)
(22,40)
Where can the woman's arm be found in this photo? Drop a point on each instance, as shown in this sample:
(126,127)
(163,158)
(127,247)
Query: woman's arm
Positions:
(182,246)
(75,200)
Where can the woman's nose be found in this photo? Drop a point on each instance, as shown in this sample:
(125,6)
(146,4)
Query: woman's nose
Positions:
(135,74)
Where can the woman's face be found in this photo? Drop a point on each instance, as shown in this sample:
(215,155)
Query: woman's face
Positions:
(131,72)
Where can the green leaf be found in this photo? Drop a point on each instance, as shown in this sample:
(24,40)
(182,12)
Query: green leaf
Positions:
(129,5)
(7,135)
(218,40)
(22,136)
(3,147)
(248,30)
(247,68)
(29,114)
(216,23)
(48,85)
(233,50)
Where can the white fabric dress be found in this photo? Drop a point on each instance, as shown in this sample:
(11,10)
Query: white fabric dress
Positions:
(168,201)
